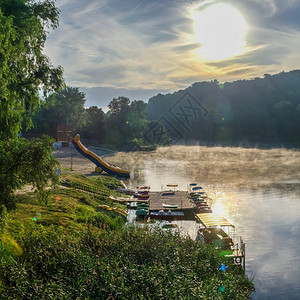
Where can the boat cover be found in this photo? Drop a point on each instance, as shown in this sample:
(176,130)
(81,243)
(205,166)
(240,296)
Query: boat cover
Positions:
(213,220)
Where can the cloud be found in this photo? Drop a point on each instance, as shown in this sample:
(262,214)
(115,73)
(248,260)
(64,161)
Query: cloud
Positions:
(136,45)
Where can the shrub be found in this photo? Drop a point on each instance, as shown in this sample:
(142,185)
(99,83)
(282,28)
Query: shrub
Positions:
(117,264)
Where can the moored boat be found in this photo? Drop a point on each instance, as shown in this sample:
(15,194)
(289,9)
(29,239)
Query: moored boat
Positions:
(142,212)
(169,206)
(166,215)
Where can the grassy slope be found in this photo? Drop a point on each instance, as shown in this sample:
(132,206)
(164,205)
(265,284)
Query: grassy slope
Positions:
(65,205)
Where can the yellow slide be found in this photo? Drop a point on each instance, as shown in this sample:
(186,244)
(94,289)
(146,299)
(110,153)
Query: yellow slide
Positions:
(97,160)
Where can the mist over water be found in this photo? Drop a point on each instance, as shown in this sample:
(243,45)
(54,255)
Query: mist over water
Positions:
(258,190)
(235,167)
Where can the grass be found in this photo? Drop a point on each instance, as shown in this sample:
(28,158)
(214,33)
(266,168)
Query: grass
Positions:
(64,204)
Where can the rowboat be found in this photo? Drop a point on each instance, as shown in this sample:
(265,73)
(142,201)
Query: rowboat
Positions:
(143,197)
(197,195)
(166,215)
(143,205)
(169,206)
(126,191)
(169,227)
(204,210)
(112,210)
(142,212)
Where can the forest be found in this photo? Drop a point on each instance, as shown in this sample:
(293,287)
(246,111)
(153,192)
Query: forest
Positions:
(260,111)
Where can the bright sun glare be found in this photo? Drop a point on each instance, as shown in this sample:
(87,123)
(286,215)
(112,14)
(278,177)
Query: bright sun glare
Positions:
(221,30)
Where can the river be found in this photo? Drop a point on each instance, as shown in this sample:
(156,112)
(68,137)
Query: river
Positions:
(258,190)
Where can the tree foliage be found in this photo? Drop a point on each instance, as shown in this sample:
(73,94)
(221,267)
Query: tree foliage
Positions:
(24,70)
(25,162)
(25,73)
(66,108)
(93,124)
(260,110)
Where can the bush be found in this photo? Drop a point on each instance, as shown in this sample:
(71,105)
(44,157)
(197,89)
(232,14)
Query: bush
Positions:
(25,162)
(123,264)
(3,216)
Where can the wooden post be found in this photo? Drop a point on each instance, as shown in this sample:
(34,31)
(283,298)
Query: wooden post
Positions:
(244,257)
(71,159)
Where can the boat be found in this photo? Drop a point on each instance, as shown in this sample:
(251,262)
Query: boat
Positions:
(204,210)
(215,236)
(194,187)
(166,215)
(169,227)
(211,231)
(142,212)
(143,205)
(169,206)
(126,191)
(112,210)
(143,197)
(119,200)
(197,188)
(202,205)
(142,193)
(144,187)
(198,195)
(174,186)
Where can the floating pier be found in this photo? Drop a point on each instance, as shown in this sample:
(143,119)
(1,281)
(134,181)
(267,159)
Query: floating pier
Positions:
(181,199)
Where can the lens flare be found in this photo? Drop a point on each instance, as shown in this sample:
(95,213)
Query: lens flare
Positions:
(223,268)
(11,246)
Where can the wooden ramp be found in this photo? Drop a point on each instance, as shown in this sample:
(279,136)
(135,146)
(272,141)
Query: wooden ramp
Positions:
(179,198)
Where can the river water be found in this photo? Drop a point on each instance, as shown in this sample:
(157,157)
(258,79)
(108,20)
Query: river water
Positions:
(258,190)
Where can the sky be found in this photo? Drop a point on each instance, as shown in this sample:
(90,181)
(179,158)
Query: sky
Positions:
(139,48)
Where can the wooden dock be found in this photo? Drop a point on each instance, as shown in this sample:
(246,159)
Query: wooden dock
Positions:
(180,198)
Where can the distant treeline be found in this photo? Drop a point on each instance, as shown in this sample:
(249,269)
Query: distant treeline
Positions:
(245,112)
(261,110)
(122,127)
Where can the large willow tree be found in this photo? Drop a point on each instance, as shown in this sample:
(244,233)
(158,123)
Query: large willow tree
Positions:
(25,74)
(24,70)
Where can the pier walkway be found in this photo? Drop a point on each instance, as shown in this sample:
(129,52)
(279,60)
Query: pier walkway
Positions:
(180,198)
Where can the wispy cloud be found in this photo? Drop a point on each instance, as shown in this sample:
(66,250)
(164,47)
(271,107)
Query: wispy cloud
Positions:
(137,44)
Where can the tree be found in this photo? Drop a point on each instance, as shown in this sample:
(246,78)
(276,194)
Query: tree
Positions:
(137,120)
(24,69)
(117,123)
(93,124)
(67,108)
(24,72)
(25,162)
(119,106)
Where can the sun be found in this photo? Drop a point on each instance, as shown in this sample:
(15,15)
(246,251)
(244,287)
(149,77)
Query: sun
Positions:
(221,31)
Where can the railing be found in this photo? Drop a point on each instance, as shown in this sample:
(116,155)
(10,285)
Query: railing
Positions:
(88,188)
(239,254)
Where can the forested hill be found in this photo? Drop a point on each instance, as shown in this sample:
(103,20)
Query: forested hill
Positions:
(261,110)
